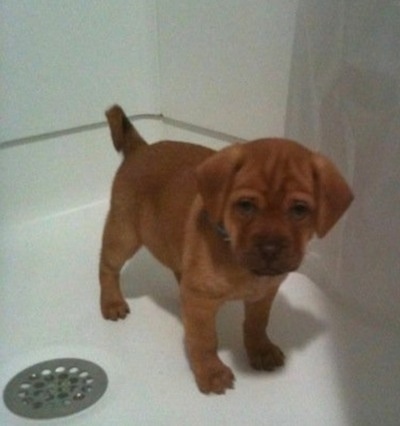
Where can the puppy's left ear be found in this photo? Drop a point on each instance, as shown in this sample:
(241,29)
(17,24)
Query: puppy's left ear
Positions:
(214,177)
(333,194)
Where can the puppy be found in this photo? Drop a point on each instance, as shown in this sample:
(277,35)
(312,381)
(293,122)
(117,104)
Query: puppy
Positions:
(230,225)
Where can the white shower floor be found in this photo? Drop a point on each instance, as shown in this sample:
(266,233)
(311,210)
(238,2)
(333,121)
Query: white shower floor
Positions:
(49,309)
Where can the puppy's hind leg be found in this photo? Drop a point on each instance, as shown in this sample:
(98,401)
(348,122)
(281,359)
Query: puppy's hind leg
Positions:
(120,242)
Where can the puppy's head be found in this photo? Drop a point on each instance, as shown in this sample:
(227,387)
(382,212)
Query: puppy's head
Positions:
(271,196)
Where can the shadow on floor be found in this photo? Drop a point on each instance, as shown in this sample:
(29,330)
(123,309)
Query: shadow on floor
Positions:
(290,327)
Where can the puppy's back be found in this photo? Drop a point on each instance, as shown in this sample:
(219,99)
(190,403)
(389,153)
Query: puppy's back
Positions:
(154,186)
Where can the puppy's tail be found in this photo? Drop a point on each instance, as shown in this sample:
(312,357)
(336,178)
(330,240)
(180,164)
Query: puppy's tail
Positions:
(124,136)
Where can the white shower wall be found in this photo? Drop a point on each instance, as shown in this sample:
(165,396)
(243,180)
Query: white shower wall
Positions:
(225,64)
(64,62)
(200,62)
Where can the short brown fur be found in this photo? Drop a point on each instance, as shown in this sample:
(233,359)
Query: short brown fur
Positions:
(230,224)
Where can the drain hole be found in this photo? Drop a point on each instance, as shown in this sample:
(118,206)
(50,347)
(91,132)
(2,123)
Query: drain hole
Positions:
(79,396)
(39,385)
(55,388)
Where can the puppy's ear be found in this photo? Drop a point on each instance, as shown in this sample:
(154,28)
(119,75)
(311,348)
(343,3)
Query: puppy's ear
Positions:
(333,194)
(214,177)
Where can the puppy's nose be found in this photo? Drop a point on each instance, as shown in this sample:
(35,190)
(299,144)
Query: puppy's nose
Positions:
(271,247)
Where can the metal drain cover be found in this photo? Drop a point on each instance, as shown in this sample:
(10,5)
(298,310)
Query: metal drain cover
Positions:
(55,388)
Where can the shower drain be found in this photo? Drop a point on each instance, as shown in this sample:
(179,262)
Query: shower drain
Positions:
(55,388)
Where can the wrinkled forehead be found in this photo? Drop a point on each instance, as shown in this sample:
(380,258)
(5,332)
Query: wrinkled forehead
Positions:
(276,174)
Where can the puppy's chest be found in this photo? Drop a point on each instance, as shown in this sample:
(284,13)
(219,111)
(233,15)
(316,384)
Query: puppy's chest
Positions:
(251,288)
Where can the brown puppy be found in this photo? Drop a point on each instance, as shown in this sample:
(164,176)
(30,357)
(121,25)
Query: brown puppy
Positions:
(230,224)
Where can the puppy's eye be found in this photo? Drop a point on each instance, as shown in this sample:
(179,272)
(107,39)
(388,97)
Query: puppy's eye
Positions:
(246,207)
(299,210)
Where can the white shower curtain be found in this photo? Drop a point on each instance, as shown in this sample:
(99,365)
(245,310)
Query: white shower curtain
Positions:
(344,101)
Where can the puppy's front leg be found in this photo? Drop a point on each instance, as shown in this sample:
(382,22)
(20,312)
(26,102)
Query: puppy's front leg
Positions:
(199,319)
(262,353)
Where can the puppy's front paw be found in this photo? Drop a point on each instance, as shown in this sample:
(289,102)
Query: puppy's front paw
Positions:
(114,308)
(266,357)
(214,377)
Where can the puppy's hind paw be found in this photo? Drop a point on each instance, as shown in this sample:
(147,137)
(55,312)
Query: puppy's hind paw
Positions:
(114,309)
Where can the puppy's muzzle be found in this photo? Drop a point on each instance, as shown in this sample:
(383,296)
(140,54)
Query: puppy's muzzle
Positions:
(270,256)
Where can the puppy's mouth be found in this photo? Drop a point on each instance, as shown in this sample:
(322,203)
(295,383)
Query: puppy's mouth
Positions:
(270,272)
(260,266)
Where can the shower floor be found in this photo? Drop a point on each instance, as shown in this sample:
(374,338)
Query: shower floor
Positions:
(49,309)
